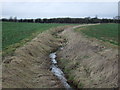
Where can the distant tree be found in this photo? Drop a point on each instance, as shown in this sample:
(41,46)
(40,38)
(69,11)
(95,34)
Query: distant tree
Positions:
(11,19)
(87,20)
(96,17)
(66,20)
(21,20)
(38,20)
(4,19)
(15,19)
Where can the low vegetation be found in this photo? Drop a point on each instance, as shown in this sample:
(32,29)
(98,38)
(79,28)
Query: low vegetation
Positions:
(16,34)
(87,62)
(29,66)
(104,32)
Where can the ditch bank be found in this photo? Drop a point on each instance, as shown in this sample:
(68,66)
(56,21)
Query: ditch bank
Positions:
(87,62)
(29,67)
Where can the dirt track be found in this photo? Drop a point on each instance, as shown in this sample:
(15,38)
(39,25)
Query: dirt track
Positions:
(90,63)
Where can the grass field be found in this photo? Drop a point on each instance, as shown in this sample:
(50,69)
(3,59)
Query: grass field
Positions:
(104,32)
(14,34)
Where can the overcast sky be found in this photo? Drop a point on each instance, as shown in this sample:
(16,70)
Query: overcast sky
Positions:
(59,9)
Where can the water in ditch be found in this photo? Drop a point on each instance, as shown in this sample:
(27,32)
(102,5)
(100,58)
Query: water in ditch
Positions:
(58,72)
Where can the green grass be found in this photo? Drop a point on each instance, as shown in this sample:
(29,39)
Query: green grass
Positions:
(104,32)
(15,34)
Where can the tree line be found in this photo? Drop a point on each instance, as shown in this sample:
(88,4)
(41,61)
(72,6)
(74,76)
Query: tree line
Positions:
(64,20)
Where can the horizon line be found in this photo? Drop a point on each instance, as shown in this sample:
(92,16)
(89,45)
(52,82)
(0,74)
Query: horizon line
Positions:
(59,17)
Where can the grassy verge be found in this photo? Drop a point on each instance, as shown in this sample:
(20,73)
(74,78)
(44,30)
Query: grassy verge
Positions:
(68,68)
(104,32)
(16,34)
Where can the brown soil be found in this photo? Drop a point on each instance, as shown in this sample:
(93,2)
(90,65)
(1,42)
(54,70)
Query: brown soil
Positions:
(88,63)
